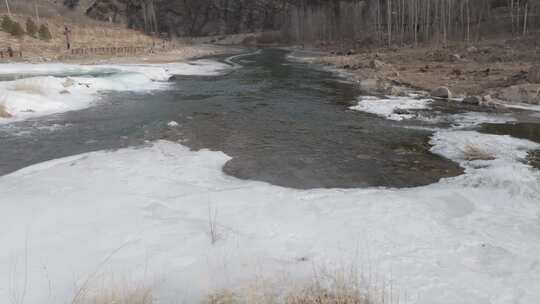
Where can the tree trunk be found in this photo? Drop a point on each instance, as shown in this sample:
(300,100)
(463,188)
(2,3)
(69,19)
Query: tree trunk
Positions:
(8,10)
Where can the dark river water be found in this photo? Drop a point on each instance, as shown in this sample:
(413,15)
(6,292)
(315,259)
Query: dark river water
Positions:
(281,122)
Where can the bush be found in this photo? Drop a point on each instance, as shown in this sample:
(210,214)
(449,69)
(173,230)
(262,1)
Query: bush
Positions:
(44,33)
(16,29)
(6,24)
(31,27)
(12,27)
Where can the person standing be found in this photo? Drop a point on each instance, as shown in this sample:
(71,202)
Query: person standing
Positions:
(67,32)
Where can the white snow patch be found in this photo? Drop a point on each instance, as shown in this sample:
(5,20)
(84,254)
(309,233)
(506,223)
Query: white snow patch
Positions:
(172,124)
(523,106)
(145,211)
(386,107)
(56,93)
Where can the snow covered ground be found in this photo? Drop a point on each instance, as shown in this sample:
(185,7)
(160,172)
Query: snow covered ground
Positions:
(143,214)
(387,107)
(69,87)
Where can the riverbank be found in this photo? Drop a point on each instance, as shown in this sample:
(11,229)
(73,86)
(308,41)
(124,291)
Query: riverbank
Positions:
(178,53)
(491,72)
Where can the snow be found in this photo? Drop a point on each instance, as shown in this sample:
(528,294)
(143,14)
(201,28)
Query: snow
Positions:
(386,107)
(143,214)
(172,124)
(49,88)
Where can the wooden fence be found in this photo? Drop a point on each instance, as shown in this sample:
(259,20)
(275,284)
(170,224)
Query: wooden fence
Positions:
(6,54)
(116,51)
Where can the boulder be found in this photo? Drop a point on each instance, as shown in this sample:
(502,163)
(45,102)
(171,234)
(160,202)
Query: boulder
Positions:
(534,74)
(526,93)
(472,100)
(472,49)
(455,57)
(441,92)
(369,84)
(65,92)
(396,91)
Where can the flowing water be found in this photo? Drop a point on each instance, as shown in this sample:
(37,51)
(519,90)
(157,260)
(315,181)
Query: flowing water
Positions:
(281,122)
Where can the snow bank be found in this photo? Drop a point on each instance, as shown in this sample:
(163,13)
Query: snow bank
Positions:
(143,214)
(387,107)
(57,91)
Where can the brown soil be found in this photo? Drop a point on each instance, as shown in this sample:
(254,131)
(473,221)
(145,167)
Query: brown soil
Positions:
(475,69)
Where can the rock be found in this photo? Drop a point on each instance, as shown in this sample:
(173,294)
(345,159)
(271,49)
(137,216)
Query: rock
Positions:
(399,111)
(455,57)
(351,52)
(68,83)
(396,91)
(472,49)
(63,92)
(534,74)
(376,64)
(369,84)
(3,112)
(487,98)
(472,100)
(456,72)
(526,93)
(441,92)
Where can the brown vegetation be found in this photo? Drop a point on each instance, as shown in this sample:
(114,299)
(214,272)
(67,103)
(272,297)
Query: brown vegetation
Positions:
(3,112)
(472,152)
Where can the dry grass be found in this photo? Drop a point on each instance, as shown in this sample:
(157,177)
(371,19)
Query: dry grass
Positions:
(472,152)
(84,34)
(324,288)
(117,295)
(29,88)
(3,112)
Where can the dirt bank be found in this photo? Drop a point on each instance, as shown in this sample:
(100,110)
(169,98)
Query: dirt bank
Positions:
(497,70)
(176,54)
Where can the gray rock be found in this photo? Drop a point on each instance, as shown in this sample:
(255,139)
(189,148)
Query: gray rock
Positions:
(472,100)
(399,111)
(455,57)
(441,92)
(472,49)
(396,91)
(64,92)
(534,74)
(369,84)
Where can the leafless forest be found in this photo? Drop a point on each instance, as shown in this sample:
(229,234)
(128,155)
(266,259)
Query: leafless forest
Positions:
(347,22)
(382,22)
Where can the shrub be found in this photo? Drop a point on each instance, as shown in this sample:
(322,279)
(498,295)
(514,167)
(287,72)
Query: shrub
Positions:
(31,27)
(12,27)
(6,24)
(44,33)
(16,29)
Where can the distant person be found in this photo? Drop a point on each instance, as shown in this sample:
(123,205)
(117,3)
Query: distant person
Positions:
(10,51)
(67,31)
